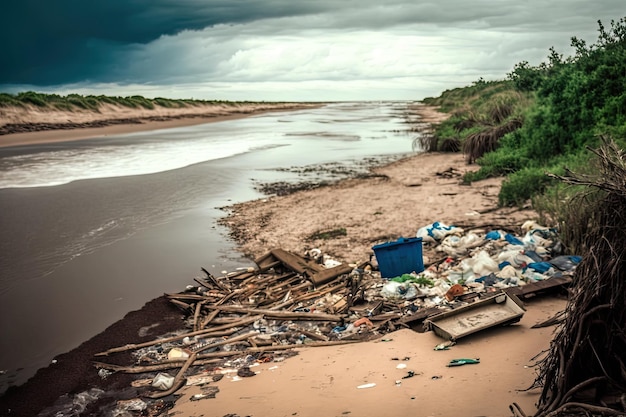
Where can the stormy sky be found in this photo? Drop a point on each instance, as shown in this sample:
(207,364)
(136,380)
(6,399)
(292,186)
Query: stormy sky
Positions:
(283,49)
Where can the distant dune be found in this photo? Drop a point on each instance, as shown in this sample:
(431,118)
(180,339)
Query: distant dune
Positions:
(25,123)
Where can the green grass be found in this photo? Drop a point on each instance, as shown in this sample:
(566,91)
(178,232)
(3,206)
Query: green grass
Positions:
(76,102)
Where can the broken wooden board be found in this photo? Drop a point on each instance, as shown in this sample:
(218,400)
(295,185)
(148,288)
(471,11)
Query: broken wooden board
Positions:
(420,315)
(328,274)
(294,262)
(317,273)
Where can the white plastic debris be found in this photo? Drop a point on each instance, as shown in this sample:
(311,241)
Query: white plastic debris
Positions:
(177,353)
(399,290)
(163,381)
(436,231)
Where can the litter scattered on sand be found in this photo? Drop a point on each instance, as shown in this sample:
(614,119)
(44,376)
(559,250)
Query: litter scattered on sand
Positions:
(260,315)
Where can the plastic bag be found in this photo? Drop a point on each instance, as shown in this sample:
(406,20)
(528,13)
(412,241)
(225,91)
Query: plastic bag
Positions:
(436,231)
(462,272)
(399,290)
(482,264)
(457,246)
(495,235)
(515,257)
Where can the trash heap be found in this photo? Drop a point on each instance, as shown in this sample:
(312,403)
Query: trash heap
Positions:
(486,261)
(256,315)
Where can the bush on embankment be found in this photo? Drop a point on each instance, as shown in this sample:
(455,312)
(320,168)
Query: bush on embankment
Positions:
(77,102)
(541,119)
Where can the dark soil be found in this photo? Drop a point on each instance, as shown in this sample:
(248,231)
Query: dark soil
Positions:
(53,388)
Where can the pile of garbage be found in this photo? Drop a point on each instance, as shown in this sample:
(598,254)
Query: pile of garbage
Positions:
(493,260)
(256,315)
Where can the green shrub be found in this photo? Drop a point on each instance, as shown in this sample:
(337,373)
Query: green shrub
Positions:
(30,97)
(142,102)
(498,163)
(520,186)
(9,100)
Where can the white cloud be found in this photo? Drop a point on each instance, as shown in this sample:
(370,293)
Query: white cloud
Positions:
(394,50)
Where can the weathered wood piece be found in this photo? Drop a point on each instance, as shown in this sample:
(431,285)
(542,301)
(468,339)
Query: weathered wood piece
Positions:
(213,332)
(329,274)
(285,315)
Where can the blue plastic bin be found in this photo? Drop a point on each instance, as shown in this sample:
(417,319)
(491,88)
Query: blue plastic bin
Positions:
(400,257)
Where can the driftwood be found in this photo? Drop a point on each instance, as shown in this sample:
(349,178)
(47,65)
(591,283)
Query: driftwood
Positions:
(214,332)
(288,298)
(222,307)
(284,315)
(214,357)
(179,380)
(215,280)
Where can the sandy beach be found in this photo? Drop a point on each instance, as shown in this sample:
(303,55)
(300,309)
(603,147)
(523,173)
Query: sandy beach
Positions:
(396,201)
(326,380)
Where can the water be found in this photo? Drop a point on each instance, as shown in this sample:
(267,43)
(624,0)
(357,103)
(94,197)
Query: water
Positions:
(328,131)
(93,229)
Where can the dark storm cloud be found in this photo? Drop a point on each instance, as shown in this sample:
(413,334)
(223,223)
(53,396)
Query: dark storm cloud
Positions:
(194,42)
(49,42)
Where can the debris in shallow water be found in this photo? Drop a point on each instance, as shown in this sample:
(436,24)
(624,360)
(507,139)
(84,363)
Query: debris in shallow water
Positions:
(104,373)
(135,404)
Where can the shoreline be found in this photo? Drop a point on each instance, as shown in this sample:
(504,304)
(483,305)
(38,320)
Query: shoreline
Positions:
(407,176)
(35,133)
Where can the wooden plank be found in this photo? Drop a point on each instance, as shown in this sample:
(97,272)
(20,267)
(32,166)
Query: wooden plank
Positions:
(296,263)
(266,262)
(329,274)
(286,315)
(263,258)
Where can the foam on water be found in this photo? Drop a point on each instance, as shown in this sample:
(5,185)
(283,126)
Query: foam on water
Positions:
(67,165)
(162,150)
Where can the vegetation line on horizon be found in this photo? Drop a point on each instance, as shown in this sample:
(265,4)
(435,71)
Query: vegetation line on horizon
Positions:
(73,102)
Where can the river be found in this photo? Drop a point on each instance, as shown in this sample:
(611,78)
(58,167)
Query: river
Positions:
(93,229)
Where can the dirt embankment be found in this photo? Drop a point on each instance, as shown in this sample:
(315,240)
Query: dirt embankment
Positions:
(31,118)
